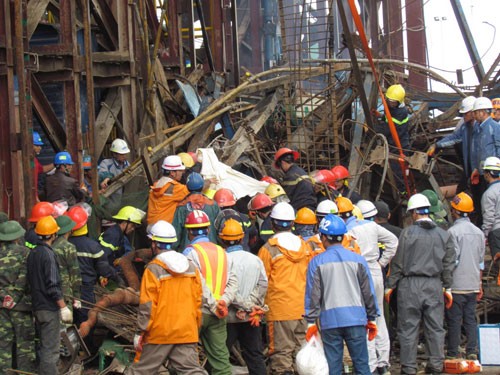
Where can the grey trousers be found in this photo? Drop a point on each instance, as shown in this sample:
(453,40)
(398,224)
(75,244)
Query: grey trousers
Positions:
(49,327)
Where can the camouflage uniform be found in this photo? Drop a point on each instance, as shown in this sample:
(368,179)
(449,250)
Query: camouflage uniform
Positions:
(69,269)
(15,324)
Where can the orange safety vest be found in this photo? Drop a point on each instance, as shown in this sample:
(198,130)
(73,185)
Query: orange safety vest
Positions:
(213,263)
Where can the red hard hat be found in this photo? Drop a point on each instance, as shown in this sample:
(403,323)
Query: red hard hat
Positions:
(282,152)
(194,156)
(260,201)
(78,215)
(225,198)
(197,219)
(41,209)
(323,176)
(340,172)
(269,180)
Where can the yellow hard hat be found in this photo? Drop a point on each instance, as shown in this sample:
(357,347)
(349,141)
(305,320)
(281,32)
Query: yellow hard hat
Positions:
(396,93)
(274,190)
(130,213)
(187,160)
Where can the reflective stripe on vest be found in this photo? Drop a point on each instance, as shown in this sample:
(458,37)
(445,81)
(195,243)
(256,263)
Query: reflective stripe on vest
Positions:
(106,244)
(398,122)
(213,260)
(29,245)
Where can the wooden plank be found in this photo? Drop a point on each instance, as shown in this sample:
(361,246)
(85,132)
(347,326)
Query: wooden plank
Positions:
(35,10)
(106,119)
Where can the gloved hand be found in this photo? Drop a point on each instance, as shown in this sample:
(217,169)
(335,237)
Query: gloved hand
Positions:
(312,330)
(221,309)
(138,341)
(66,315)
(8,302)
(103,281)
(77,304)
(256,316)
(387,294)
(372,329)
(431,150)
(474,177)
(376,113)
(448,298)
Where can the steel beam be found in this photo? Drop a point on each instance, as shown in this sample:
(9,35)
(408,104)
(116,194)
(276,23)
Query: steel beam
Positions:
(105,19)
(415,32)
(393,29)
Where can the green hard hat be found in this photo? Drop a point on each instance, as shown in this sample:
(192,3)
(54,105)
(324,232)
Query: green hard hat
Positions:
(11,230)
(436,205)
(65,224)
(3,217)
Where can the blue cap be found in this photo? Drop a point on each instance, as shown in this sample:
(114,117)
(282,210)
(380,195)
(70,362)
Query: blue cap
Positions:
(37,140)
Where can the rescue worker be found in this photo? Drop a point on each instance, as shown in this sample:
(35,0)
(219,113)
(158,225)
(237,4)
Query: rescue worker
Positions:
(87,175)
(496,109)
(369,234)
(39,177)
(341,183)
(194,201)
(114,166)
(324,184)
(221,286)
(170,284)
(345,312)
(422,272)
(247,308)
(167,192)
(276,193)
(60,185)
(305,223)
(67,259)
(383,216)
(462,134)
(466,286)
(437,212)
(190,161)
(297,184)
(285,257)
(48,303)
(260,207)
(490,204)
(17,331)
(39,210)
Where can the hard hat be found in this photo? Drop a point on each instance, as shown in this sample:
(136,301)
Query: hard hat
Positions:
(482,103)
(492,163)
(87,162)
(187,159)
(367,208)
(496,103)
(462,202)
(80,232)
(131,214)
(418,201)
(274,191)
(195,182)
(467,104)
(260,201)
(37,140)
(162,231)
(340,172)
(11,231)
(78,215)
(269,180)
(282,152)
(323,176)
(306,216)
(197,219)
(46,226)
(344,205)
(119,146)
(332,225)
(326,207)
(283,211)
(63,157)
(39,210)
(356,212)
(225,198)
(396,93)
(173,163)
(65,224)
(231,230)
(193,156)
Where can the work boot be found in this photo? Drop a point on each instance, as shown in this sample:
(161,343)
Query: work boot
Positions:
(472,356)
(384,370)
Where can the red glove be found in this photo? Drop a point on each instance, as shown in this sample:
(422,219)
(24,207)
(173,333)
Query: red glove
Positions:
(371,327)
(474,178)
(255,316)
(312,330)
(221,309)
(448,298)
(8,302)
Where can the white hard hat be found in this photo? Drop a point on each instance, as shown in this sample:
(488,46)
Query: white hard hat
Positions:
(467,104)
(173,163)
(283,211)
(162,231)
(119,146)
(175,262)
(326,207)
(367,208)
(482,103)
(418,201)
(492,163)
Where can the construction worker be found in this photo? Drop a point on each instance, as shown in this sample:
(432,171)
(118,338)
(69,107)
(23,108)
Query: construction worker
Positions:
(67,259)
(194,201)
(383,216)
(462,134)
(285,257)
(39,210)
(17,332)
(60,185)
(260,207)
(87,175)
(167,192)
(490,204)
(170,284)
(341,183)
(422,272)
(305,223)
(39,177)
(496,109)
(247,309)
(343,312)
(221,286)
(466,286)
(324,184)
(114,166)
(297,184)
(437,212)
(276,193)
(48,303)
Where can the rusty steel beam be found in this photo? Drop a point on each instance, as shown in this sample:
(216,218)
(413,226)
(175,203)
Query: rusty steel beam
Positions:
(393,29)
(415,31)
(106,20)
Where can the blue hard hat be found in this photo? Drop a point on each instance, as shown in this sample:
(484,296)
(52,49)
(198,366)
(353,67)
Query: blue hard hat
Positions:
(332,225)
(195,182)
(37,140)
(63,158)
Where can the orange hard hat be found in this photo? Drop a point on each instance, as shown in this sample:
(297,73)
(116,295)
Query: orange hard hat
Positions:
(197,219)
(46,226)
(344,205)
(340,172)
(78,215)
(231,230)
(41,209)
(323,176)
(282,152)
(225,198)
(260,201)
(269,180)
(306,216)
(462,202)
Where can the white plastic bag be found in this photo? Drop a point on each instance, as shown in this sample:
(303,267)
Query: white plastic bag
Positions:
(311,358)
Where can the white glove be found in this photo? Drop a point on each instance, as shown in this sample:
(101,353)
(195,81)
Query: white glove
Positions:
(138,342)
(77,304)
(66,315)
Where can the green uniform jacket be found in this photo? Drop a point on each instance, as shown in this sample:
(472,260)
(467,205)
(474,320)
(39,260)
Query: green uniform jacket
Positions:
(67,258)
(13,281)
